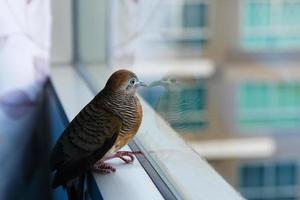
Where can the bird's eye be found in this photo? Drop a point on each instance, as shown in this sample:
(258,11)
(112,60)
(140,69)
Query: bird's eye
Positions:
(132,81)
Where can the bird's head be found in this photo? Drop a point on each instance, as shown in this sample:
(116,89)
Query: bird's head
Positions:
(123,81)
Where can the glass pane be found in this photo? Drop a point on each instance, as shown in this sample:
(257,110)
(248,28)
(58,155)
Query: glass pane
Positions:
(286,95)
(271,25)
(269,105)
(257,14)
(269,181)
(286,198)
(286,174)
(252,176)
(297,93)
(192,99)
(258,198)
(290,13)
(247,92)
(255,95)
(194,15)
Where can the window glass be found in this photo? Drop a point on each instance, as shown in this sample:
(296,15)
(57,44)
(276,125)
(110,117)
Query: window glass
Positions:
(286,174)
(252,176)
(270,24)
(194,15)
(183,107)
(269,180)
(269,105)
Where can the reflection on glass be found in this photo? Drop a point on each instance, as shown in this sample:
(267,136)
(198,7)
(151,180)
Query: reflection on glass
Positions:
(181,102)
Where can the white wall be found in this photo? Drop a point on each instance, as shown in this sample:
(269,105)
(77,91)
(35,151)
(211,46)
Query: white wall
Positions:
(61,52)
(92,31)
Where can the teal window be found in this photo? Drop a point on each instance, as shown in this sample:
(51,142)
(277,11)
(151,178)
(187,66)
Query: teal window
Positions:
(269,105)
(194,19)
(285,174)
(252,176)
(181,23)
(268,181)
(195,15)
(271,24)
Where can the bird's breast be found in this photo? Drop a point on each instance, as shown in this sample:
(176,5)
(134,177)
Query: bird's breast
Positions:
(131,122)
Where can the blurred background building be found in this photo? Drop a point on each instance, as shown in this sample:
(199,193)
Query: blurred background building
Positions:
(232,67)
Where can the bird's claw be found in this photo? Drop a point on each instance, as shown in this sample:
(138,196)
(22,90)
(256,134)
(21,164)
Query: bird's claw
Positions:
(103,168)
(123,154)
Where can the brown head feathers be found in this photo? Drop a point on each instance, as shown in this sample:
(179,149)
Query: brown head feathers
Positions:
(118,78)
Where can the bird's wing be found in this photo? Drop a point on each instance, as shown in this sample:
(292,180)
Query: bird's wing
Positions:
(86,139)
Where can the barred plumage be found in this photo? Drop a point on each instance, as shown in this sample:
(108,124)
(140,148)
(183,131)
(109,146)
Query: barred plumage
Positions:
(128,108)
(104,125)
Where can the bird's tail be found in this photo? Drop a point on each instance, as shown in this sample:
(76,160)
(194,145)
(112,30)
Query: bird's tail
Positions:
(75,188)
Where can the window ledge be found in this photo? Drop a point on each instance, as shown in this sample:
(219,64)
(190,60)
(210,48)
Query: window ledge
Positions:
(188,175)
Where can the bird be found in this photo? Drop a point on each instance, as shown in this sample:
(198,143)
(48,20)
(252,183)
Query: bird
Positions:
(97,133)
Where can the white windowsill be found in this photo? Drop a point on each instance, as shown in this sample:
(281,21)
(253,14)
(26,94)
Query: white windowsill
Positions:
(191,176)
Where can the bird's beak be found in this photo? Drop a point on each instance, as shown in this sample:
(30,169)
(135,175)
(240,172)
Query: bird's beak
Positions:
(140,83)
(158,83)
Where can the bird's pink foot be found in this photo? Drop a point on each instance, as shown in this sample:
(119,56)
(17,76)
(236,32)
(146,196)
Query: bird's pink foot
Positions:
(126,156)
(103,168)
